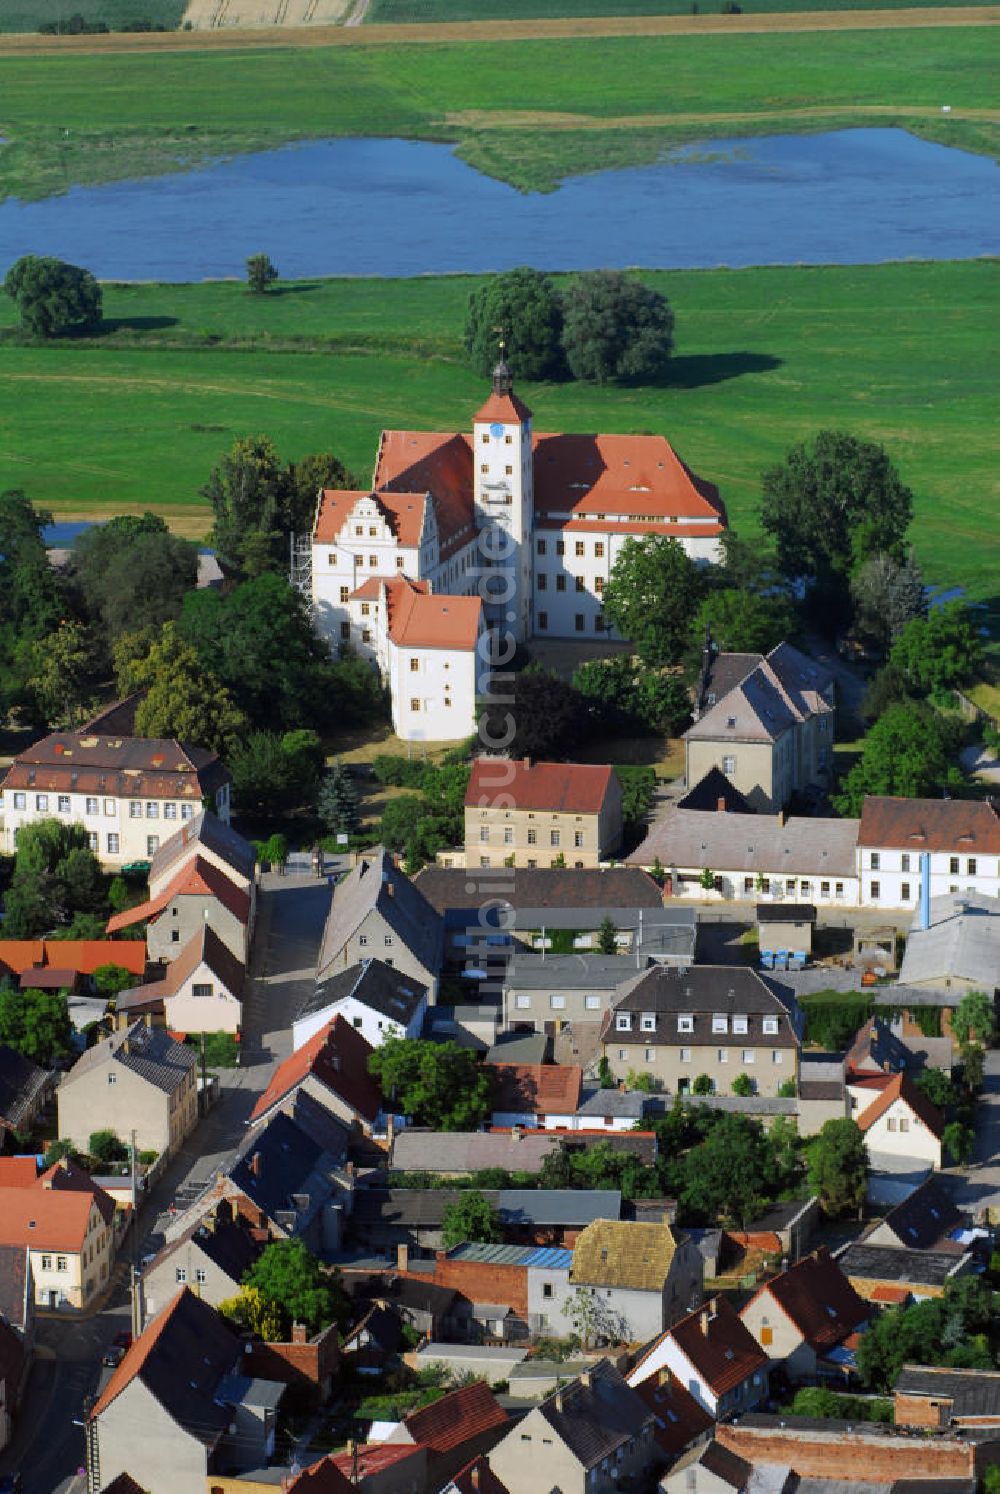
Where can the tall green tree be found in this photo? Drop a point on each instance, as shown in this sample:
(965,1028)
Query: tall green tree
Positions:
(471,1217)
(33,602)
(55,876)
(615,328)
(887,594)
(244,491)
(301,485)
(63,675)
(731,1173)
(829,506)
(607,936)
(524,308)
(743,622)
(337,805)
(974,1019)
(133,573)
(838,1167)
(936,653)
(183,699)
(35,1023)
(541,715)
(273,773)
(53,298)
(288,1275)
(909,752)
(261,273)
(652,593)
(436,1084)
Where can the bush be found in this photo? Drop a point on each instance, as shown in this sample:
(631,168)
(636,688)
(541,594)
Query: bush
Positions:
(743,1086)
(702,1085)
(833,1017)
(616,328)
(105,1147)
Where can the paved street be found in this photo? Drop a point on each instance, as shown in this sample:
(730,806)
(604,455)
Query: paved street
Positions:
(48,1444)
(979,1187)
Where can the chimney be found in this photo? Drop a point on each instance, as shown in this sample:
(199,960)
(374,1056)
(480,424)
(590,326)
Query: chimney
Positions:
(706,1318)
(720,804)
(300,1333)
(474,1475)
(402,1257)
(585,1379)
(781,818)
(925,890)
(349,1169)
(390,889)
(663,1378)
(527,762)
(255,1164)
(559,1401)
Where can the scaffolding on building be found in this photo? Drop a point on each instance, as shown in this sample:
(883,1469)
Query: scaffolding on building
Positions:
(300,565)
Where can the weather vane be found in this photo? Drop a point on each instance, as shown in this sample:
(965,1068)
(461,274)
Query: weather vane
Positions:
(501,340)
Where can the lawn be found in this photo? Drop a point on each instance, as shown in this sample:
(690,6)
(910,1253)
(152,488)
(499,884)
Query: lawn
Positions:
(765,358)
(78,117)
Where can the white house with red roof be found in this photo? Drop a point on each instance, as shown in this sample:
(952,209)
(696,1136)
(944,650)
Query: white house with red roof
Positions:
(528,524)
(713,1355)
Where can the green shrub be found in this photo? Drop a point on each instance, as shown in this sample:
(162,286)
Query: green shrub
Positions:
(833,1017)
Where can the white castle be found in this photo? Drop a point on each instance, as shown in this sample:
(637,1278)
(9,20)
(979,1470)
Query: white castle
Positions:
(503,527)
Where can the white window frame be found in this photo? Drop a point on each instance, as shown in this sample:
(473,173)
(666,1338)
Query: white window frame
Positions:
(720,1022)
(685,1024)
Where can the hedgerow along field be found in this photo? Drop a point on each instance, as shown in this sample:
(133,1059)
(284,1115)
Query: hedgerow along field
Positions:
(28,15)
(529,112)
(764,358)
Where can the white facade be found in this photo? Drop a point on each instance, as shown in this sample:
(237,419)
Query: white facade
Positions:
(898,1132)
(433,692)
(374,1026)
(119,830)
(891,878)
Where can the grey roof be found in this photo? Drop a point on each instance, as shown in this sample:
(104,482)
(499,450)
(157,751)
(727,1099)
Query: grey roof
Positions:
(801,846)
(783,688)
(373,983)
(541,1207)
(631,1103)
(227,1244)
(206,829)
(318,1123)
(921,1220)
(548,1369)
(542,1257)
(595,1414)
(723,672)
(786,913)
(537,972)
(887,1263)
(404,1292)
(415,1150)
(973,1392)
(15,1286)
(291,1174)
(780,1215)
(22,1083)
(599,889)
(519,1047)
(148,1052)
(958,945)
(700,992)
(956,904)
(375,883)
(710,790)
(742,1104)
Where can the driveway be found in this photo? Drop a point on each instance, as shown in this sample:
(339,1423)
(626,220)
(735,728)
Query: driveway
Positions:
(48,1445)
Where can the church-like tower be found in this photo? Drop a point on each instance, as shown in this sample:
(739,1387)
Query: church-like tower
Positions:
(504,499)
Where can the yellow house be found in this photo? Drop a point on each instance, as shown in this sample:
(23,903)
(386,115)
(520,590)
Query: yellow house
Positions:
(520,813)
(66,1222)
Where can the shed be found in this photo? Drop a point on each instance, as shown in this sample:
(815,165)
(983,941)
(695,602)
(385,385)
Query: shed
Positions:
(786,926)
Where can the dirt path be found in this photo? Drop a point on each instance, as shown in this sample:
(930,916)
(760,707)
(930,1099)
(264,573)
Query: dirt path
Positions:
(233,38)
(527,119)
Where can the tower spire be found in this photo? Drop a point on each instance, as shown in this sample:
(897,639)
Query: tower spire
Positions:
(503,383)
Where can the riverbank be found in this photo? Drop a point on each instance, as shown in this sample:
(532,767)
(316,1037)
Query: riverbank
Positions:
(765,358)
(75,116)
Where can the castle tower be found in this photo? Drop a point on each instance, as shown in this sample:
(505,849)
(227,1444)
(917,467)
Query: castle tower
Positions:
(504,499)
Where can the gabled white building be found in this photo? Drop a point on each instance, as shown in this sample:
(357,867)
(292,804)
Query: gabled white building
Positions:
(960,838)
(528,524)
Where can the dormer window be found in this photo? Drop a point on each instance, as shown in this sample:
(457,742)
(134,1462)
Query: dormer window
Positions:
(720,1022)
(623,1022)
(740,1024)
(648,1022)
(685,1024)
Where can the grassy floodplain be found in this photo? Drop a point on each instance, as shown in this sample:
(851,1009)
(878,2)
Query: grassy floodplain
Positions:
(404,12)
(529,112)
(764,358)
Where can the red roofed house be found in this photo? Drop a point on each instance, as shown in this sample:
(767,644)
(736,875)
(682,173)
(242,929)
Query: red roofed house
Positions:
(896,1119)
(333,1068)
(960,838)
(68,964)
(380,1468)
(799,1316)
(546,514)
(454,1429)
(200,893)
(541,1096)
(541,814)
(713,1355)
(201,991)
(66,1223)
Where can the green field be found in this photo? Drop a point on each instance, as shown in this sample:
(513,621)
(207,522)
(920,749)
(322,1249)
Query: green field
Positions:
(396,12)
(764,358)
(28,15)
(86,118)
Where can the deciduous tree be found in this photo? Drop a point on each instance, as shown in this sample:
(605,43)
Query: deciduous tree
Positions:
(616,328)
(541,715)
(437,1084)
(53,298)
(887,594)
(607,936)
(35,1023)
(56,876)
(261,273)
(743,622)
(471,1217)
(652,593)
(909,752)
(731,1173)
(183,699)
(974,1019)
(133,572)
(289,1276)
(838,1167)
(524,307)
(63,675)
(934,654)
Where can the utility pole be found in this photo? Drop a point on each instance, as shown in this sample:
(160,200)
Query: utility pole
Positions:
(134,1281)
(204,1071)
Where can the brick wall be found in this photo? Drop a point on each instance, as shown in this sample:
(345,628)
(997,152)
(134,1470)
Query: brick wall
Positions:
(865,1286)
(756,1239)
(814,1454)
(483,1283)
(921,1411)
(303,1361)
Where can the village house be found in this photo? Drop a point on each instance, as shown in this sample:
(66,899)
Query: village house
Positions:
(587,1437)
(539,1096)
(896,1119)
(766,723)
(571,993)
(890,1276)
(453,1429)
(211,1257)
(716,1020)
(547,514)
(477,1477)
(382,1219)
(177,1408)
(201,991)
(638,1277)
(679,1418)
(332,1067)
(128,793)
(66,1223)
(521,813)
(710,1468)
(138,1079)
(934,1398)
(209,839)
(957,840)
(68,964)
(373,1468)
(375,999)
(24,1090)
(927,1220)
(804,1314)
(199,894)
(377,911)
(714,1356)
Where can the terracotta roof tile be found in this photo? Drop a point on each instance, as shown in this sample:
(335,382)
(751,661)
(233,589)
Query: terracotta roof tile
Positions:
(80,955)
(892,1296)
(52,1218)
(566,788)
(125,767)
(614,477)
(965,826)
(456,1418)
(324,1477)
(420,621)
(818,1298)
(208,832)
(18,1172)
(726,1353)
(403,512)
(902,1087)
(338,1057)
(545,1089)
(432,462)
(508,409)
(196,878)
(375,1457)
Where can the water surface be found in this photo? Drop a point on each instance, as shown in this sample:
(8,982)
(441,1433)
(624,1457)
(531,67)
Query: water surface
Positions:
(404,207)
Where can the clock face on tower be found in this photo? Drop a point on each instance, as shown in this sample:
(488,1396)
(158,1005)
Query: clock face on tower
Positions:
(496,429)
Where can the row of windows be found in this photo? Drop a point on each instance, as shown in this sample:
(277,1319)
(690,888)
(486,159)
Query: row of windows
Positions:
(579,548)
(531,864)
(62,1263)
(580,583)
(363,939)
(555,836)
(685,1023)
(749,1055)
(62,805)
(954,866)
(558,1003)
(181,1276)
(579,622)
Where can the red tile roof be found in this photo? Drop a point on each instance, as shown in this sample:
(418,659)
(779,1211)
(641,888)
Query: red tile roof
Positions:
(50,1218)
(968,827)
(818,1298)
(718,1344)
(543,1088)
(18,1172)
(121,767)
(456,1418)
(679,1418)
(338,1057)
(611,477)
(420,621)
(432,462)
(563,788)
(375,1457)
(324,1477)
(508,409)
(403,512)
(478,1477)
(82,955)
(196,878)
(902,1087)
(891,1296)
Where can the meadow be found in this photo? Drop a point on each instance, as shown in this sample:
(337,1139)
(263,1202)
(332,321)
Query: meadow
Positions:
(764,358)
(80,117)
(28,15)
(406,12)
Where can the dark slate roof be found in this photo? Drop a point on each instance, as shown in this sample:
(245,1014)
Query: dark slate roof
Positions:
(21,1083)
(447,888)
(630,1103)
(14,1293)
(424,1208)
(228,1245)
(520,1047)
(288,1161)
(149,1052)
(886,1263)
(382,1326)
(595,1414)
(404,1292)
(319,1124)
(206,829)
(709,790)
(375,984)
(597,972)
(702,991)
(972,1392)
(376,884)
(786,913)
(921,1220)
